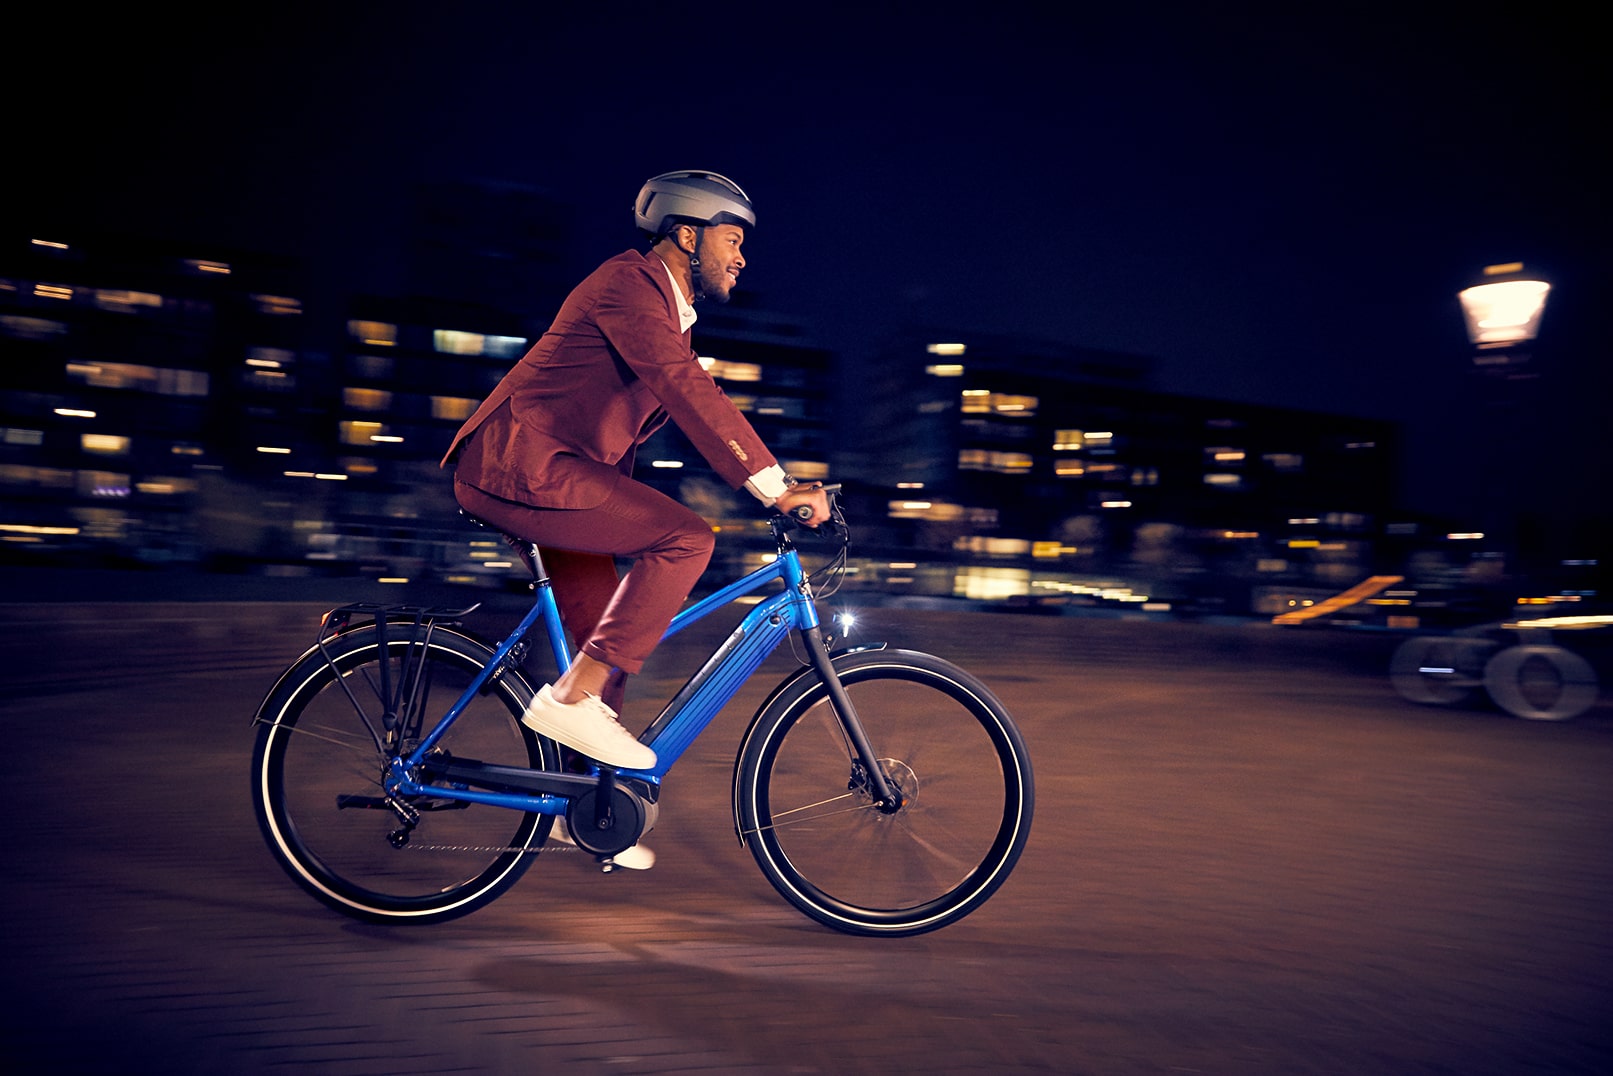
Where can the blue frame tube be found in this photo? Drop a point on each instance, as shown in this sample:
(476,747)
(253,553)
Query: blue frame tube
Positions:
(687,715)
(540,608)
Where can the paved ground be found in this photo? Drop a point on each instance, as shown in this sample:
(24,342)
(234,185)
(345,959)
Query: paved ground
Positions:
(1249,857)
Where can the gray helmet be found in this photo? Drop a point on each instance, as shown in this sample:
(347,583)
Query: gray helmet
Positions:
(690,197)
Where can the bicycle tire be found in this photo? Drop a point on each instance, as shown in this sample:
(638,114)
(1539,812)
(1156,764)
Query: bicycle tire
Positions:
(1439,670)
(951,747)
(314,751)
(1541,682)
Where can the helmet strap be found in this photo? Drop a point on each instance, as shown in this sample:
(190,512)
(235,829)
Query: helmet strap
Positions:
(694,263)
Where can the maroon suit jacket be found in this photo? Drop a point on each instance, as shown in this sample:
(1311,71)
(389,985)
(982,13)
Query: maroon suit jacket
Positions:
(561,428)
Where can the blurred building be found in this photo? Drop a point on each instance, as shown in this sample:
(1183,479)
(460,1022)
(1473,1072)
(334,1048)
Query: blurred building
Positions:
(1051,474)
(135,374)
(164,404)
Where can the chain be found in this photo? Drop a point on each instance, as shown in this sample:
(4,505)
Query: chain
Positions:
(560,846)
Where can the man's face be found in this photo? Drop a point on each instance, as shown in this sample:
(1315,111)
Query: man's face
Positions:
(720,260)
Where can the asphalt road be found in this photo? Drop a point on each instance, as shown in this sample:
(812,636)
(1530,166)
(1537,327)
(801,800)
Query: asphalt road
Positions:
(1249,856)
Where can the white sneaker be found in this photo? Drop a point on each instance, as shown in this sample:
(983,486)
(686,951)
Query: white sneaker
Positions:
(589,726)
(637,858)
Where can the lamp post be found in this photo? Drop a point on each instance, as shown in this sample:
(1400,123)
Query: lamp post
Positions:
(1503,312)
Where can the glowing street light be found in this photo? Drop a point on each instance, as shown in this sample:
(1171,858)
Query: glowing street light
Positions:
(1503,311)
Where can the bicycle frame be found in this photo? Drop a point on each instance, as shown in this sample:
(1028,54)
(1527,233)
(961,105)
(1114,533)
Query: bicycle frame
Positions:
(683,718)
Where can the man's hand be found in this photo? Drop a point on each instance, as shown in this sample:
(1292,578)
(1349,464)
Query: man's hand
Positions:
(810,494)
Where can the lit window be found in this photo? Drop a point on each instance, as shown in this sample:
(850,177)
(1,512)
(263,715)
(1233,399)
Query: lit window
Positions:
(982,401)
(949,350)
(103,484)
(269,358)
(452,408)
(104,444)
(993,547)
(13,435)
(1068,440)
(200,265)
(457,342)
(277,305)
(124,375)
(991,584)
(1069,468)
(945,369)
(723,370)
(122,301)
(1223,480)
(504,347)
(361,399)
(806,470)
(374,333)
(454,342)
(979,459)
(43,477)
(165,487)
(355,432)
(940,511)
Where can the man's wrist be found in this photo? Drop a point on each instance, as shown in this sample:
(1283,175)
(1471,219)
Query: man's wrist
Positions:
(769,484)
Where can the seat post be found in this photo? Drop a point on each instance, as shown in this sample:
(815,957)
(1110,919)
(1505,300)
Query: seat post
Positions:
(527,551)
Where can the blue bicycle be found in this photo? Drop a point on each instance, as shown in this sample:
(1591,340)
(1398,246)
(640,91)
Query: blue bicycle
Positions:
(881,791)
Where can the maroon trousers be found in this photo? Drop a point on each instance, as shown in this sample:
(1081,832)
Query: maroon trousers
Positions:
(615,621)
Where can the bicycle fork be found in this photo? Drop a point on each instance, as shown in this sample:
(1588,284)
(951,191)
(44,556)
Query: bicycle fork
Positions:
(886,796)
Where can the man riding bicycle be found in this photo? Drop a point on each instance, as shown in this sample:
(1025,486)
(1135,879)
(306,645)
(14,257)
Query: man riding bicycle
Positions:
(548,456)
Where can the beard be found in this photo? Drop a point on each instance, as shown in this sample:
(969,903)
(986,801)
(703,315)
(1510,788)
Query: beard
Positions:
(715,284)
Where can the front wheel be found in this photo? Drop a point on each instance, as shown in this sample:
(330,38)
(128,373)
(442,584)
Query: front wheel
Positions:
(949,747)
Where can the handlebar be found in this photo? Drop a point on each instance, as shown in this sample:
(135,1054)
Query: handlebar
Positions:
(832,529)
(804,511)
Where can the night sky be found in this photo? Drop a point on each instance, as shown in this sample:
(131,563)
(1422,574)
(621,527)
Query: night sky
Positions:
(1280,208)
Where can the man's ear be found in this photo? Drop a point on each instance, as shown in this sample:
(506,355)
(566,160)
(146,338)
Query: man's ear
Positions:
(687,238)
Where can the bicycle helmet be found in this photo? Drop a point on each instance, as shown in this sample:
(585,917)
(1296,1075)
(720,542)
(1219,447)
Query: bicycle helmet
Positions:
(690,197)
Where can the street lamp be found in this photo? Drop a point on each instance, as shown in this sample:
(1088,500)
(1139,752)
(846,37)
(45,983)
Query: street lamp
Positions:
(1503,318)
(1503,313)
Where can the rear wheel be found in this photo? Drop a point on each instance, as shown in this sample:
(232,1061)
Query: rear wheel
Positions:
(322,750)
(948,746)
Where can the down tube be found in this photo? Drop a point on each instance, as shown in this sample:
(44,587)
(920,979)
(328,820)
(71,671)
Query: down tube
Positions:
(708,690)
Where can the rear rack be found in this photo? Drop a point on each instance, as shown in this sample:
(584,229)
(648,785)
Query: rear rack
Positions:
(414,624)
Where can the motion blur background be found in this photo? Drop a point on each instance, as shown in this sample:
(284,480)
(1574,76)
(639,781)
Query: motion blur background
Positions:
(1086,309)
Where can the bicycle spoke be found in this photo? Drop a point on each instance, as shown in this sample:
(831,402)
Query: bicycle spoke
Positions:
(869,868)
(320,801)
